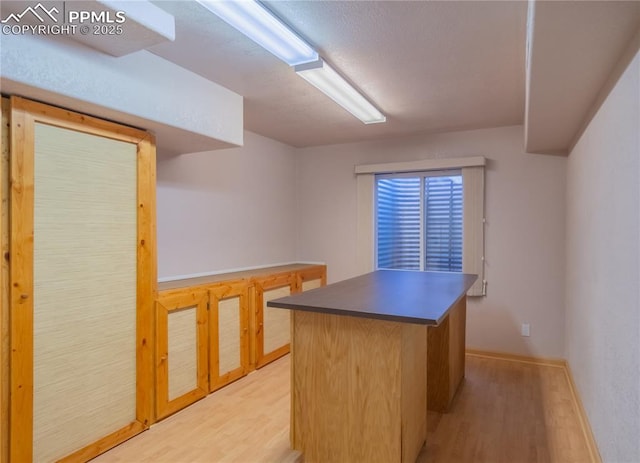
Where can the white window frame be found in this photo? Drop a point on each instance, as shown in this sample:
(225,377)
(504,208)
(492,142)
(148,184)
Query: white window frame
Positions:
(473,210)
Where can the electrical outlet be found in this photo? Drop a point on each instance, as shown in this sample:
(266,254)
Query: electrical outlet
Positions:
(525,330)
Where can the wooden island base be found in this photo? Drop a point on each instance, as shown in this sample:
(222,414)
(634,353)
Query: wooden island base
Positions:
(359,384)
(445,359)
(364,354)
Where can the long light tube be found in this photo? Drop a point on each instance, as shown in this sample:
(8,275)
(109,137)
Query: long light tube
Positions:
(327,80)
(261,26)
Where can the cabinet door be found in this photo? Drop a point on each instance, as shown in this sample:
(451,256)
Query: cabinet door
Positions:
(273,326)
(181,350)
(312,278)
(82,276)
(228,333)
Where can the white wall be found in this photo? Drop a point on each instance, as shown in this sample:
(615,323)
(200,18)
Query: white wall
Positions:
(226,209)
(603,270)
(525,206)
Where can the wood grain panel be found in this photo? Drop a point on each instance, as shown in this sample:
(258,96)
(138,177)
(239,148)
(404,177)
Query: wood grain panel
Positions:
(346,388)
(185,356)
(255,327)
(80,122)
(438,382)
(414,390)
(21,284)
(4,280)
(228,333)
(25,116)
(446,357)
(147,277)
(457,345)
(311,278)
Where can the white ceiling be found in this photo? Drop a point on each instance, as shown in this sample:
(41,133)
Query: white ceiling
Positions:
(430,66)
(579,49)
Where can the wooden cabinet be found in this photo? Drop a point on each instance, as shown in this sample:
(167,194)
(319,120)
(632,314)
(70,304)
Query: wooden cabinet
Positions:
(181,350)
(311,278)
(446,357)
(228,333)
(210,331)
(273,326)
(202,342)
(82,276)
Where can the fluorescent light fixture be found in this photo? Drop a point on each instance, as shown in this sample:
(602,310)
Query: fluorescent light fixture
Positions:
(327,80)
(261,26)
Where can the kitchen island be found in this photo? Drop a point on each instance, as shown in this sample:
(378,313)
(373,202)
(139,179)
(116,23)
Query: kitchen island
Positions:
(360,358)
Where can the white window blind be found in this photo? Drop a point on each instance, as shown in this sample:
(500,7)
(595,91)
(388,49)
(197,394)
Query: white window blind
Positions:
(419,222)
(443,223)
(398,223)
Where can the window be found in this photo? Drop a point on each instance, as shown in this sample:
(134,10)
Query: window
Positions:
(419,221)
(426,214)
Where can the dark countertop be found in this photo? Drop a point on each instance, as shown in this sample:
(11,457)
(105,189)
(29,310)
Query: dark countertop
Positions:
(396,295)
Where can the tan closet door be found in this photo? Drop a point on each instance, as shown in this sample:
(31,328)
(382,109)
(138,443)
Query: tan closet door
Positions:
(82,273)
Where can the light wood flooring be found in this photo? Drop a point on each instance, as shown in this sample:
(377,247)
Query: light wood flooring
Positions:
(506,411)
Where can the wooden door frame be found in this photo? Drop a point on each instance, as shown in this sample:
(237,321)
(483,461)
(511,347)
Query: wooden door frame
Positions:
(24,115)
(4,282)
